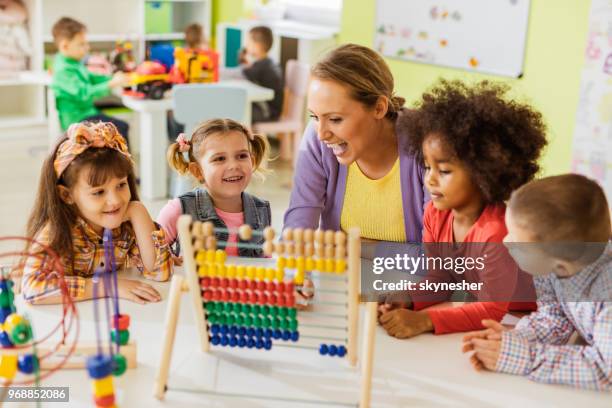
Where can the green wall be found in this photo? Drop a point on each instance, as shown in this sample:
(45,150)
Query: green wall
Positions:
(553,63)
(225,11)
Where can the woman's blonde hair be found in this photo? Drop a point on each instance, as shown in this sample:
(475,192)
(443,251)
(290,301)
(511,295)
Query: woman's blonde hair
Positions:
(364,72)
(258,145)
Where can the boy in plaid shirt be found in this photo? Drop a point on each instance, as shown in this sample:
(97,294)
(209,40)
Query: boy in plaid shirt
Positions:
(559,231)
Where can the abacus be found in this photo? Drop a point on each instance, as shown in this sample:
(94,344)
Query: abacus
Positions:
(251,306)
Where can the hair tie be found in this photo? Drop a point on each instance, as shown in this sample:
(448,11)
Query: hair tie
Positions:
(183,143)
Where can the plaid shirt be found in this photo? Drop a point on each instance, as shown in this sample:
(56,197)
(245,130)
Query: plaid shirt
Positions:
(38,282)
(538,345)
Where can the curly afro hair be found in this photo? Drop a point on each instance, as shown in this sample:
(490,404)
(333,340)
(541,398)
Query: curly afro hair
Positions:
(499,140)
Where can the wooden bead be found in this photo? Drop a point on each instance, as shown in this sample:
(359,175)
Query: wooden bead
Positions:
(198,244)
(196,229)
(299,249)
(211,242)
(308,235)
(329,237)
(308,249)
(340,238)
(245,232)
(279,248)
(318,237)
(319,251)
(288,234)
(208,229)
(268,248)
(329,250)
(340,252)
(298,235)
(268,233)
(289,248)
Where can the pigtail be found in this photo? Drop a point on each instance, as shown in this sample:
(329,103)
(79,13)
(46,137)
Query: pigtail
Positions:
(176,159)
(260,150)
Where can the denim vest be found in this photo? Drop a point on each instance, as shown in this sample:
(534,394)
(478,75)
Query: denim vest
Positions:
(257,214)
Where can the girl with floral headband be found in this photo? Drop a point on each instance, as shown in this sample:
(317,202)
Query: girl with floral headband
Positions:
(222,155)
(88,185)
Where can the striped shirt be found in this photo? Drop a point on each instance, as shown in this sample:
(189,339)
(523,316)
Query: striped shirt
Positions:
(538,346)
(39,281)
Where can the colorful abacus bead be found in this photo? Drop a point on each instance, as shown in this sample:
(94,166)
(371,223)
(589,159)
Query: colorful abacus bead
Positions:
(123,336)
(8,366)
(7,297)
(18,329)
(323,349)
(6,312)
(99,366)
(103,387)
(105,401)
(121,322)
(27,363)
(119,365)
(5,340)
(341,351)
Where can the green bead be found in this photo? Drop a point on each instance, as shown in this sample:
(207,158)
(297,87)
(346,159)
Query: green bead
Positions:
(7,298)
(218,307)
(228,307)
(265,310)
(273,311)
(284,324)
(256,309)
(275,323)
(124,336)
(293,325)
(292,312)
(248,320)
(239,320)
(21,333)
(282,311)
(257,321)
(237,308)
(120,365)
(231,319)
(246,309)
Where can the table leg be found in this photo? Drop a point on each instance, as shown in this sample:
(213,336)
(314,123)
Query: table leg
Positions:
(153,146)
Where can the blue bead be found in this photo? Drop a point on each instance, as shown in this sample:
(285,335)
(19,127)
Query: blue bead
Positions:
(233,331)
(241,331)
(4,284)
(224,341)
(241,342)
(259,332)
(341,351)
(295,336)
(27,363)
(250,343)
(216,339)
(268,344)
(286,335)
(5,339)
(233,342)
(268,333)
(99,366)
(224,329)
(323,349)
(277,334)
(259,344)
(214,329)
(250,332)
(4,312)
(333,350)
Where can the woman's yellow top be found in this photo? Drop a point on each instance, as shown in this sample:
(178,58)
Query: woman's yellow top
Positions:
(375,206)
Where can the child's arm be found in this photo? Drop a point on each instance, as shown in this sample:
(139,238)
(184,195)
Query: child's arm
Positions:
(151,252)
(167,218)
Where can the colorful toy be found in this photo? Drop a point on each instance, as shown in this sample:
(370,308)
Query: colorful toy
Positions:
(190,66)
(253,306)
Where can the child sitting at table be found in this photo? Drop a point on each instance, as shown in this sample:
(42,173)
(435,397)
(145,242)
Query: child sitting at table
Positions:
(257,67)
(194,37)
(558,231)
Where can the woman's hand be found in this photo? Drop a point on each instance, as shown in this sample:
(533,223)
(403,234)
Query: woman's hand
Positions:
(137,291)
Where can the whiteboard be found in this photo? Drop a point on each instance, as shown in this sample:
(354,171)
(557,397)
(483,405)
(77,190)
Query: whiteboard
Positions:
(478,35)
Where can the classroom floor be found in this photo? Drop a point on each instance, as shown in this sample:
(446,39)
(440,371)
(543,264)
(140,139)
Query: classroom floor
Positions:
(23,151)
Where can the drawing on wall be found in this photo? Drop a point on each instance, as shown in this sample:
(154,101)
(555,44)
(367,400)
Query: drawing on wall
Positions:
(478,35)
(592,151)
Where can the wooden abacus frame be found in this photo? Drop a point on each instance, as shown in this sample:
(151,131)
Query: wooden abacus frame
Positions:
(190,283)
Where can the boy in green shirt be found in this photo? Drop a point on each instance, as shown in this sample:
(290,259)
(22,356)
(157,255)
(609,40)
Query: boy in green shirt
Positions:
(74,85)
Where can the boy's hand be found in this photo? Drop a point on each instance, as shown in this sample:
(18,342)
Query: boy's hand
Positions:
(136,291)
(391,301)
(404,323)
(486,345)
(177,260)
(119,79)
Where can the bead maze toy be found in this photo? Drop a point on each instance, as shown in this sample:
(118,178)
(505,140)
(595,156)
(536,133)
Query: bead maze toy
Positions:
(250,306)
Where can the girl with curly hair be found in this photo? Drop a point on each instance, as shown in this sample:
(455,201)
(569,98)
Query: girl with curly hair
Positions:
(477,147)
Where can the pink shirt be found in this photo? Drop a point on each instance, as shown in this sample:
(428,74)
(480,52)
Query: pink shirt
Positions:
(172,211)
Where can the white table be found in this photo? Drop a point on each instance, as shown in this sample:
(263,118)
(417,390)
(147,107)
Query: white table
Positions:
(427,371)
(153,134)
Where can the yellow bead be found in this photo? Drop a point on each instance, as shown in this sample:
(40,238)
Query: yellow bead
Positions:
(270,273)
(300,263)
(290,262)
(220,256)
(231,271)
(210,255)
(203,271)
(299,278)
(212,270)
(281,262)
(260,273)
(310,264)
(240,271)
(280,275)
(340,265)
(8,366)
(201,258)
(329,265)
(250,272)
(320,263)
(221,270)
(103,387)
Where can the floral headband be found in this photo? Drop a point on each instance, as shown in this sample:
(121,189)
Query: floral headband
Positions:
(82,136)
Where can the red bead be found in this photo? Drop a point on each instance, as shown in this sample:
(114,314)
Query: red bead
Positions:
(105,401)
(208,295)
(214,282)
(233,283)
(280,287)
(289,287)
(204,282)
(244,297)
(224,283)
(264,299)
(290,300)
(122,322)
(252,285)
(242,284)
(216,295)
(281,300)
(273,299)
(225,295)
(271,287)
(261,285)
(235,296)
(252,297)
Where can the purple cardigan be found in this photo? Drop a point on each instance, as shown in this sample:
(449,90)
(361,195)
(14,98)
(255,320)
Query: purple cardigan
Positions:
(320,182)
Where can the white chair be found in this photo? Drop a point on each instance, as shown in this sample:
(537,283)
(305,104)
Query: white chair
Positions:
(54,129)
(290,126)
(195,103)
